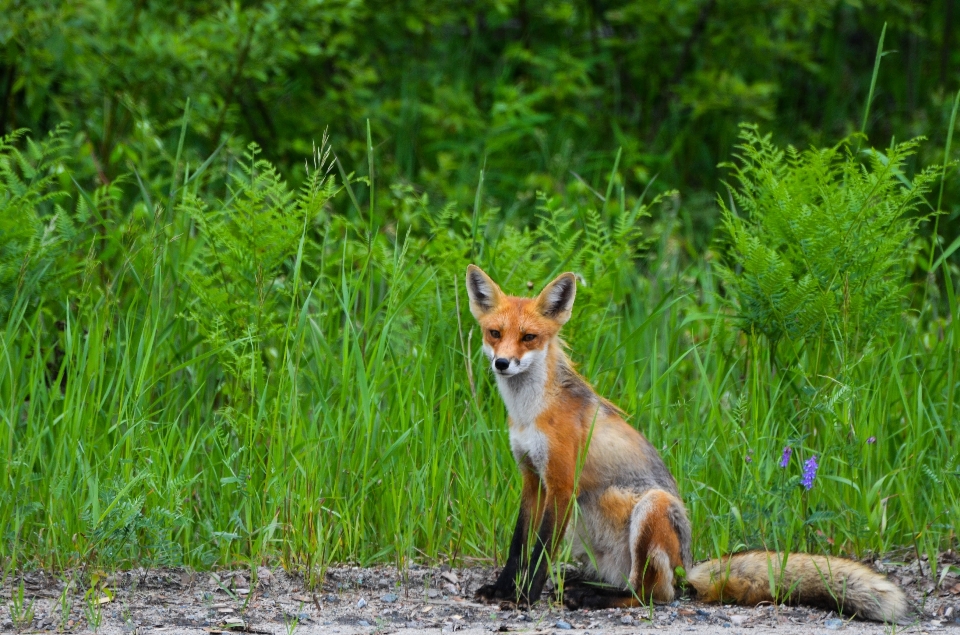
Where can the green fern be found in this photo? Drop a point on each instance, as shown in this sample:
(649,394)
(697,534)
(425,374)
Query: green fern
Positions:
(32,226)
(240,278)
(819,240)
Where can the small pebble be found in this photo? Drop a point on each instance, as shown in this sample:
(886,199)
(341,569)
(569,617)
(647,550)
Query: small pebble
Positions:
(833,624)
(264,576)
(563,625)
(726,624)
(432,593)
(362,603)
(626,619)
(450,577)
(389,597)
(364,623)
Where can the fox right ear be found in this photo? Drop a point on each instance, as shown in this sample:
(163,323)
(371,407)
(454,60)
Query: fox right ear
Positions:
(483,292)
(556,299)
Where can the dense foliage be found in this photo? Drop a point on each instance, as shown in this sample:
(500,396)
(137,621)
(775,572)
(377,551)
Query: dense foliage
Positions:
(530,90)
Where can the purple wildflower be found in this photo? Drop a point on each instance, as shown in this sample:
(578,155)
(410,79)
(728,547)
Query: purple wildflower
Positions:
(748,458)
(809,472)
(871,440)
(785,458)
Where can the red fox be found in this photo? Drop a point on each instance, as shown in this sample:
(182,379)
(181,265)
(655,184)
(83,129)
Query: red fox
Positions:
(632,528)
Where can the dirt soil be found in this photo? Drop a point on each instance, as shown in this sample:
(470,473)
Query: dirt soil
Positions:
(379,600)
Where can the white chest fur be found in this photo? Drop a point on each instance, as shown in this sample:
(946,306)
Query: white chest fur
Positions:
(524,397)
(529,444)
(523,393)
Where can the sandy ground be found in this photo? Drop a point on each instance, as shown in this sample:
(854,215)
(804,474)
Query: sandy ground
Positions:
(367,601)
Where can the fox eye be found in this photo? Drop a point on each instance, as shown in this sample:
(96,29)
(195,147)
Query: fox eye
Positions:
(495,334)
(529,337)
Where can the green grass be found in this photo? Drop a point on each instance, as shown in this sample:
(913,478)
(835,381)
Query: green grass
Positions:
(250,375)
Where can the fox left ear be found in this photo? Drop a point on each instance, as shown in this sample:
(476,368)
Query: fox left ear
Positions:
(556,299)
(483,292)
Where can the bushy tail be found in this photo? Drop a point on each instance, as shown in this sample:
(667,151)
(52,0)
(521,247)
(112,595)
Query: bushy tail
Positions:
(845,586)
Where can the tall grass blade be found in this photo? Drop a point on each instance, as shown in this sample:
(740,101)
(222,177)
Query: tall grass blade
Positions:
(873,81)
(943,180)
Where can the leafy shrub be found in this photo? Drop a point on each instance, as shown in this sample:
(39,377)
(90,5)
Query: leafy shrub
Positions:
(820,241)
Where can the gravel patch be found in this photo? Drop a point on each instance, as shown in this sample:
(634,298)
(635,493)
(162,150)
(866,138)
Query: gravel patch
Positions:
(421,599)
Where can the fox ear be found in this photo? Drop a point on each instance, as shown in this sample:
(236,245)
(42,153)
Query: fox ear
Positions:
(484,293)
(556,299)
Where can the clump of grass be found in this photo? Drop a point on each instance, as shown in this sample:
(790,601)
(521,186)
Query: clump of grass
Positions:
(21,610)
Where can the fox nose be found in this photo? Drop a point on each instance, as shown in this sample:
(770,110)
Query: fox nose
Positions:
(502,363)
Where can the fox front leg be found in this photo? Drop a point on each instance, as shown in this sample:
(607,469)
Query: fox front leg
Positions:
(552,526)
(516,567)
(505,588)
(558,488)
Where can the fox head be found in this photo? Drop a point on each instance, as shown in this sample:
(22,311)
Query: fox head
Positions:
(517,331)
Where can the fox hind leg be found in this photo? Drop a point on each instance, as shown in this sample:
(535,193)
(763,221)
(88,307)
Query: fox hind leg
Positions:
(659,543)
(658,536)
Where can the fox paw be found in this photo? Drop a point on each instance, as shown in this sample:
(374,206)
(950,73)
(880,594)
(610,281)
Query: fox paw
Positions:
(584,598)
(511,598)
(493,593)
